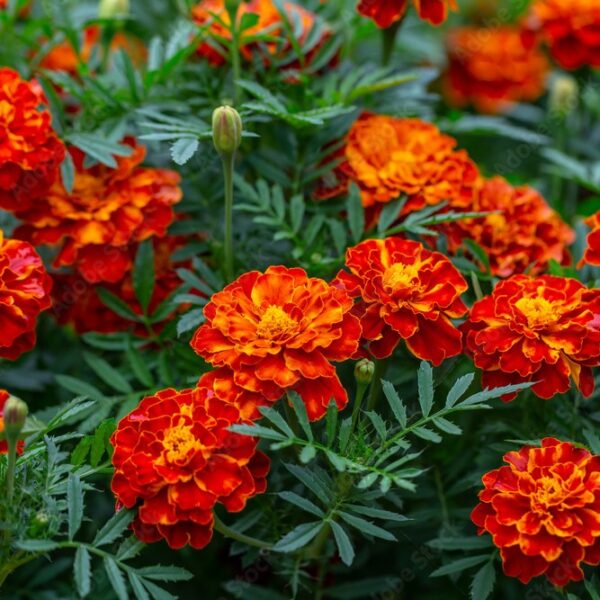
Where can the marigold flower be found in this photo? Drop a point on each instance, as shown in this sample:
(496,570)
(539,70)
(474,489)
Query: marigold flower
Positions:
(107,210)
(543,329)
(387,12)
(523,234)
(407,292)
(175,459)
(592,252)
(269,23)
(492,68)
(279,331)
(24,294)
(543,511)
(30,151)
(4,396)
(389,157)
(570,28)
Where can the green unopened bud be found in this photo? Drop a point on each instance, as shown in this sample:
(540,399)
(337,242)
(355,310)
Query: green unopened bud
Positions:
(14,415)
(227,130)
(564,95)
(364,370)
(113,9)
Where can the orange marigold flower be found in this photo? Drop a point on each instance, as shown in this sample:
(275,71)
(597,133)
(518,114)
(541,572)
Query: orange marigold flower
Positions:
(279,331)
(407,292)
(523,234)
(544,329)
(543,511)
(387,12)
(491,68)
(592,252)
(30,151)
(269,23)
(4,396)
(175,459)
(107,210)
(388,157)
(571,28)
(24,294)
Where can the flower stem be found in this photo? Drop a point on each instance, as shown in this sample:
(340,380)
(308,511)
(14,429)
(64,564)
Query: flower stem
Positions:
(228,267)
(10,471)
(239,537)
(361,388)
(380,369)
(235,55)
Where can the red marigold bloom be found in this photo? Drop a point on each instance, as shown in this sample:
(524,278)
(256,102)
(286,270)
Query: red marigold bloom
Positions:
(387,12)
(4,396)
(24,294)
(543,329)
(407,292)
(269,23)
(30,151)
(543,511)
(523,234)
(491,68)
(592,252)
(278,331)
(175,459)
(571,28)
(107,210)
(388,157)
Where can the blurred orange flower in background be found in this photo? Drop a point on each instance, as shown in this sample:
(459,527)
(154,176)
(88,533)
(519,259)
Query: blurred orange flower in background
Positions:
(107,210)
(24,294)
(30,151)
(389,157)
(279,331)
(543,511)
(544,329)
(387,12)
(493,67)
(523,235)
(4,396)
(571,28)
(407,293)
(592,252)
(175,459)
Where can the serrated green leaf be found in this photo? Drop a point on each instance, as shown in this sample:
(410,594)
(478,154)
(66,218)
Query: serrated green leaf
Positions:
(82,572)
(115,576)
(300,410)
(74,504)
(299,537)
(427,434)
(183,149)
(36,545)
(446,426)
(164,573)
(356,213)
(302,503)
(118,306)
(139,591)
(143,274)
(425,385)
(79,387)
(366,526)
(395,403)
(461,385)
(138,366)
(483,582)
(343,543)
(107,373)
(458,566)
(114,528)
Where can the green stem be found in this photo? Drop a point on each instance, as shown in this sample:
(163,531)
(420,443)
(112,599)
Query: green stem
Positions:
(380,369)
(10,471)
(361,388)
(239,537)
(228,160)
(235,55)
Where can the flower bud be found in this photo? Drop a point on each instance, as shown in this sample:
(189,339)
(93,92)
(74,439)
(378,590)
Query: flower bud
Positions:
(227,130)
(563,96)
(14,415)
(364,370)
(112,9)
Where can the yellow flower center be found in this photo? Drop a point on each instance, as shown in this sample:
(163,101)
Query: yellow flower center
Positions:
(275,323)
(179,442)
(400,276)
(549,493)
(538,311)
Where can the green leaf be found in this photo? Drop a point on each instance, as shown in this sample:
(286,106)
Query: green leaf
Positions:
(425,384)
(331,422)
(114,528)
(343,543)
(183,149)
(395,403)
(367,481)
(129,548)
(258,431)
(67,173)
(377,513)
(446,426)
(272,415)
(81,451)
(118,306)
(100,441)
(592,439)
(460,565)
(143,274)
(157,592)
(82,571)
(490,394)
(299,537)
(165,573)
(461,385)
(107,373)
(427,434)
(190,320)
(138,365)
(307,454)
(36,545)
(461,543)
(366,526)
(79,387)
(390,212)
(138,588)
(483,582)
(74,504)
(300,410)
(310,480)
(98,147)
(356,213)
(378,424)
(115,576)
(593,588)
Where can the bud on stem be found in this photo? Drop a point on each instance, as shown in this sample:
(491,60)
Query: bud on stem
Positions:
(113,9)
(13,416)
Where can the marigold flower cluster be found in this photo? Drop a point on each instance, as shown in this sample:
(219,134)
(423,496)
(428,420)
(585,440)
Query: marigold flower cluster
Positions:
(492,68)
(570,29)
(107,211)
(30,151)
(592,252)
(24,294)
(543,511)
(542,329)
(521,233)
(175,459)
(387,12)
